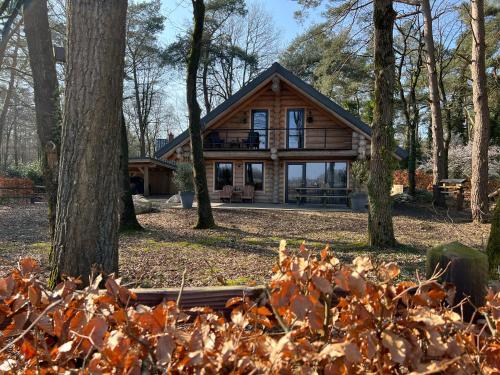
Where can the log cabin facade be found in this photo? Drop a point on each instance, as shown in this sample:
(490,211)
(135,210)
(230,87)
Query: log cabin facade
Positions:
(278,134)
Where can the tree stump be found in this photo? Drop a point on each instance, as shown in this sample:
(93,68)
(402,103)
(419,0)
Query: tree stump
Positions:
(468,271)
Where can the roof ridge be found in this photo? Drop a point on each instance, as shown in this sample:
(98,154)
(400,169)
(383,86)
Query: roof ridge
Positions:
(300,84)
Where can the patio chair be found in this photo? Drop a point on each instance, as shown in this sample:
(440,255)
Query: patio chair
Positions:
(253,140)
(214,140)
(248,193)
(226,193)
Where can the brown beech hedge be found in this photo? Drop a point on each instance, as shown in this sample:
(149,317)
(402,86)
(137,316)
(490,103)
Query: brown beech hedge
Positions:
(300,327)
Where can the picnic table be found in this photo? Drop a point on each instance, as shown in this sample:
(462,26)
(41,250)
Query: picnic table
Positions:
(31,193)
(323,193)
(454,187)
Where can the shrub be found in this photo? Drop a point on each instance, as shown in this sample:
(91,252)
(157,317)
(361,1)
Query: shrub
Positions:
(360,173)
(31,171)
(183,177)
(460,160)
(376,326)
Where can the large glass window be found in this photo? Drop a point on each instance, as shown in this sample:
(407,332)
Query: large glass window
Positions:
(295,179)
(295,128)
(337,174)
(223,175)
(319,181)
(254,175)
(259,126)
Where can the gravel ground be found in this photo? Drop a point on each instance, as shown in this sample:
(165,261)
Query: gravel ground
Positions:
(244,248)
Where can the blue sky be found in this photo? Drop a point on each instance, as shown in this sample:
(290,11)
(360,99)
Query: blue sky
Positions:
(179,16)
(179,13)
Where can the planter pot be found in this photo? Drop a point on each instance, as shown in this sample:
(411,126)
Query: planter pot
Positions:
(359,201)
(187,198)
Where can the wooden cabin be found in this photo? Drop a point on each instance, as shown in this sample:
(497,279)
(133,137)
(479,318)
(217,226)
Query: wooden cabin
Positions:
(280,135)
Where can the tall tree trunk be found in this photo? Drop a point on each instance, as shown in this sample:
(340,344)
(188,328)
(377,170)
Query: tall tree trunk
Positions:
(8,95)
(436,117)
(128,220)
(139,112)
(206,96)
(205,217)
(493,249)
(412,161)
(410,109)
(447,124)
(6,148)
(479,178)
(86,235)
(380,227)
(7,31)
(46,91)
(16,143)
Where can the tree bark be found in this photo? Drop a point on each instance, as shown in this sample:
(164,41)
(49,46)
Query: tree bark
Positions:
(8,96)
(16,143)
(447,124)
(128,219)
(205,217)
(493,249)
(434,99)
(479,178)
(86,236)
(139,111)
(206,96)
(411,110)
(380,227)
(46,92)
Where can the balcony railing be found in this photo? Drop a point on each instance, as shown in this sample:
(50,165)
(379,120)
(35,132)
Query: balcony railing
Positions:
(289,139)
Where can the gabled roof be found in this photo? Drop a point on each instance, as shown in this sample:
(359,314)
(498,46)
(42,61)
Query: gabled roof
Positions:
(287,75)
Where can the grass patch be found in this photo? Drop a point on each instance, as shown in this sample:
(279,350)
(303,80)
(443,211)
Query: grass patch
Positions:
(150,244)
(43,247)
(212,240)
(239,281)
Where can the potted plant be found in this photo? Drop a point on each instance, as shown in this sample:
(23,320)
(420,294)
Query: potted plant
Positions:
(183,179)
(359,196)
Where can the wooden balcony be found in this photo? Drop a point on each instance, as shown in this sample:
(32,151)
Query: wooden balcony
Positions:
(237,140)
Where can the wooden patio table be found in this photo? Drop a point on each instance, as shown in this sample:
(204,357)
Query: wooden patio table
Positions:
(322,192)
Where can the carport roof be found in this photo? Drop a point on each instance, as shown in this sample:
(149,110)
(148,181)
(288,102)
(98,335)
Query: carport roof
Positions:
(152,162)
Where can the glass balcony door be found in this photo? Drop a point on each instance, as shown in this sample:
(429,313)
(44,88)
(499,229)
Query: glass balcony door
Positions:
(295,128)
(260,121)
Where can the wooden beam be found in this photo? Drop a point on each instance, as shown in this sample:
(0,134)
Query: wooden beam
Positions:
(146,181)
(213,297)
(237,154)
(309,153)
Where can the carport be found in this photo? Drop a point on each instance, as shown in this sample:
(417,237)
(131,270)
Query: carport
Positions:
(150,176)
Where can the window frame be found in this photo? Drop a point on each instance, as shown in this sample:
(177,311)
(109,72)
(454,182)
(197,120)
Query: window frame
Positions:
(216,164)
(263,174)
(304,174)
(266,111)
(303,110)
